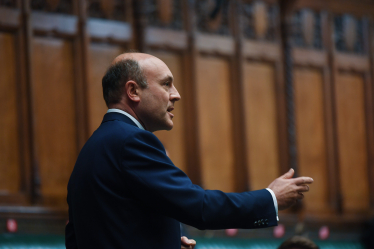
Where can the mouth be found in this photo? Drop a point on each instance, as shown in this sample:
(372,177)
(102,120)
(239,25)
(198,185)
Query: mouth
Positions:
(169,110)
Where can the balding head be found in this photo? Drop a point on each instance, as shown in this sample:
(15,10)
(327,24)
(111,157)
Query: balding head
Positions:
(124,67)
(132,56)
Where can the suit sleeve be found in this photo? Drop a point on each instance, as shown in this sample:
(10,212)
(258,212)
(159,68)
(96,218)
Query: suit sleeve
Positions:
(157,183)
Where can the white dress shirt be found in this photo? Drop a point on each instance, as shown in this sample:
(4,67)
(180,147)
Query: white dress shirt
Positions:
(128,115)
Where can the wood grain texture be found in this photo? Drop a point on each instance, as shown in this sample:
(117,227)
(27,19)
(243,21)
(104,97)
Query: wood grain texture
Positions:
(311,139)
(54,112)
(100,57)
(352,62)
(165,38)
(352,141)
(309,57)
(261,50)
(174,140)
(261,124)
(215,128)
(9,140)
(215,44)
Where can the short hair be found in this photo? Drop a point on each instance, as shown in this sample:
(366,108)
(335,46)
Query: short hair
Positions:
(298,242)
(117,75)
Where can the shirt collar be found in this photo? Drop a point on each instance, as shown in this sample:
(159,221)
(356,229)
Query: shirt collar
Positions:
(127,115)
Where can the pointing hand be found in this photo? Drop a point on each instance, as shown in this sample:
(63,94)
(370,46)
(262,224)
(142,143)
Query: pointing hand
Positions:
(288,190)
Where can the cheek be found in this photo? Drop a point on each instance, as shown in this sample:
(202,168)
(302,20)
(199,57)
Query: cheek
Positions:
(157,105)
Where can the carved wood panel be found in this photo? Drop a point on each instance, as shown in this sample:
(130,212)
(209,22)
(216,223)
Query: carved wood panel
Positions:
(311,146)
(10,168)
(349,34)
(261,123)
(164,13)
(306,30)
(260,20)
(352,137)
(54,112)
(213,16)
(215,128)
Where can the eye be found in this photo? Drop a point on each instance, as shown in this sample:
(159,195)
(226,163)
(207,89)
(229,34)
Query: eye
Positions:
(167,84)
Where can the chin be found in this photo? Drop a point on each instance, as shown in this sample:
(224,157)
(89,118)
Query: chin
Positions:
(169,126)
(164,127)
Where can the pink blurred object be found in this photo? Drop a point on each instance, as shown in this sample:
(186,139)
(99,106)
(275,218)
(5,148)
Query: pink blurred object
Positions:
(11,225)
(279,231)
(324,232)
(231,232)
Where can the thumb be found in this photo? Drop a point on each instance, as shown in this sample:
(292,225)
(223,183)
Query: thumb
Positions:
(184,240)
(289,174)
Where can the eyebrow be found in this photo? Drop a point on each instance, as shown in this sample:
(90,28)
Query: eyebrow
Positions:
(168,78)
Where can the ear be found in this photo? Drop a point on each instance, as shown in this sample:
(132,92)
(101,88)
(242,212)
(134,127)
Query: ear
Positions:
(132,90)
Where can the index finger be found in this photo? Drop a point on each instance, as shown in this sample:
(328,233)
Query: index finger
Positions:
(303,180)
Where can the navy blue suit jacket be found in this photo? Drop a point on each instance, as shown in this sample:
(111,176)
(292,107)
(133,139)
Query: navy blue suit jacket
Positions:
(124,192)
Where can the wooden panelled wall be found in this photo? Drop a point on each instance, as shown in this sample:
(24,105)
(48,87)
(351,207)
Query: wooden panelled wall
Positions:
(253,93)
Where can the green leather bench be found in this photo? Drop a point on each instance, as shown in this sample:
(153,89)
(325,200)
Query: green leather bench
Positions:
(226,243)
(19,241)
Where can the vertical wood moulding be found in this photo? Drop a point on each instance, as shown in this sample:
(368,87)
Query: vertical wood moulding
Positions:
(282,105)
(23,122)
(370,133)
(192,134)
(331,149)
(33,172)
(81,45)
(336,201)
(238,127)
(369,81)
(130,19)
(139,25)
(22,112)
(286,7)
(281,117)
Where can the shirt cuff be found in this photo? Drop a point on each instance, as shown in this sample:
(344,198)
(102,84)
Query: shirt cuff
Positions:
(275,201)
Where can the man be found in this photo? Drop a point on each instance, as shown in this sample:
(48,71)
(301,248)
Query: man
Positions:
(124,192)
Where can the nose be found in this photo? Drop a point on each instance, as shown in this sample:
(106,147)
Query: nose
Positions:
(174,94)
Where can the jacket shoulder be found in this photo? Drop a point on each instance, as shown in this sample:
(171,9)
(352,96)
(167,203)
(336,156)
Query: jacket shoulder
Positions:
(123,132)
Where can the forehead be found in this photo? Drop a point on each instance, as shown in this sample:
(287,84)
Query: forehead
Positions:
(155,68)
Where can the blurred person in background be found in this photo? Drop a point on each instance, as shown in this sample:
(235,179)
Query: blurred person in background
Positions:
(125,192)
(298,242)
